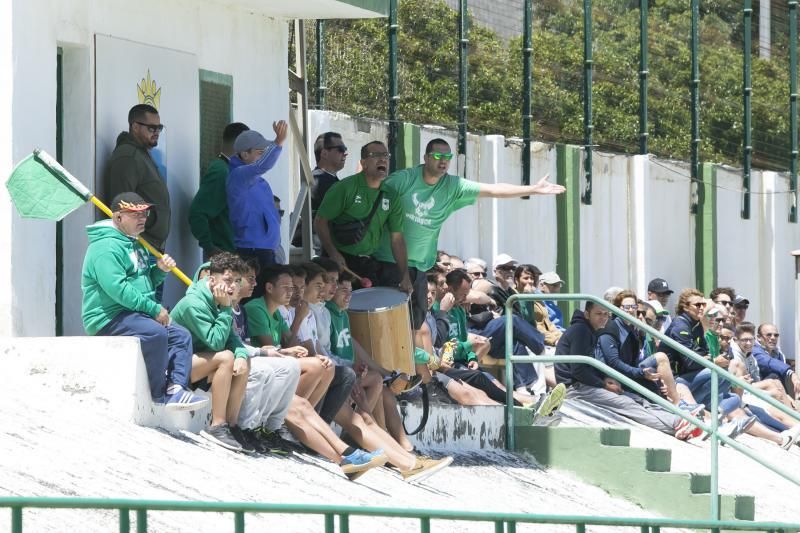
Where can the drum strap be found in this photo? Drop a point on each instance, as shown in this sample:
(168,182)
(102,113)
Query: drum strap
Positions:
(424,419)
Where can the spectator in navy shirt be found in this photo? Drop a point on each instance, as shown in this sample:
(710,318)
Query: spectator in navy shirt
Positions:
(255,220)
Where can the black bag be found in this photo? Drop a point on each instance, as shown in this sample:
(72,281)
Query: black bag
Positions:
(349,233)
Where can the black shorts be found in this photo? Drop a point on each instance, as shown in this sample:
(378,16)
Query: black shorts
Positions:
(389,276)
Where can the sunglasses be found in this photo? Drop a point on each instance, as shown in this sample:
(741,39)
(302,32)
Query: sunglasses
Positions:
(641,312)
(340,147)
(726,303)
(725,338)
(478,274)
(438,156)
(379,155)
(770,335)
(152,128)
(628,307)
(698,305)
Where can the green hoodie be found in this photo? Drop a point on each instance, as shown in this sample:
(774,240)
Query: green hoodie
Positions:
(117,276)
(208,215)
(131,169)
(211,326)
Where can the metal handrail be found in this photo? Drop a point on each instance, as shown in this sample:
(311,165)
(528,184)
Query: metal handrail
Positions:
(502,521)
(716,371)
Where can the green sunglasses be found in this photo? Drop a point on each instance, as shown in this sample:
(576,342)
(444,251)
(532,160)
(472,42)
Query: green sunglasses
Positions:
(439,155)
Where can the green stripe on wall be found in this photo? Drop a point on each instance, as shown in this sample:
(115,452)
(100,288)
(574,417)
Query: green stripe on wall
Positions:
(705,239)
(408,149)
(568,265)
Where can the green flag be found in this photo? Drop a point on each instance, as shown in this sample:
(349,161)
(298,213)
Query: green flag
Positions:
(41,188)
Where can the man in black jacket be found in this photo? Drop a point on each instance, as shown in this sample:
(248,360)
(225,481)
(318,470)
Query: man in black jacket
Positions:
(580,338)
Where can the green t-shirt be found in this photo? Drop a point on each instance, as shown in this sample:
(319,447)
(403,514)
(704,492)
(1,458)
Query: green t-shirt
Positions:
(425,208)
(341,344)
(458,331)
(261,324)
(352,199)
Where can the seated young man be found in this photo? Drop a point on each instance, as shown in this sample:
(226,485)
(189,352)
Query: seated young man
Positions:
(220,358)
(267,327)
(118,285)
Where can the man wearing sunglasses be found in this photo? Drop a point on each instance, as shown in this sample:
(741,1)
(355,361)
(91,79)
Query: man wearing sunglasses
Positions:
(429,195)
(131,168)
(771,361)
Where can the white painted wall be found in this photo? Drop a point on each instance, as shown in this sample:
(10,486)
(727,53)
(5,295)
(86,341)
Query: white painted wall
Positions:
(250,47)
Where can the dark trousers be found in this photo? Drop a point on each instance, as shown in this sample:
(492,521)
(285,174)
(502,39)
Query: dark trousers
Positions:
(477,379)
(525,335)
(167,350)
(339,391)
(264,258)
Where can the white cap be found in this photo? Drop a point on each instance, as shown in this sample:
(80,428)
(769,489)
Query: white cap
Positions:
(551,278)
(657,307)
(504,259)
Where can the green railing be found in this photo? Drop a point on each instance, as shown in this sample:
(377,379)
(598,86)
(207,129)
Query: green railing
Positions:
(503,522)
(716,372)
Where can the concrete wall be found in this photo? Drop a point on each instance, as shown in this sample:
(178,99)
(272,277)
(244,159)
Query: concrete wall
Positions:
(252,48)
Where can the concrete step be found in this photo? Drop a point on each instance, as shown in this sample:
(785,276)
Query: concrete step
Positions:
(602,456)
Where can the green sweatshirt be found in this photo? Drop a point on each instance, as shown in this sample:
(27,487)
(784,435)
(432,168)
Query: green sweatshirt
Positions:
(341,343)
(208,215)
(116,277)
(211,326)
(458,331)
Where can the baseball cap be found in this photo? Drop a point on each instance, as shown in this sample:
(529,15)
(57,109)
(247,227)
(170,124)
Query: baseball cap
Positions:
(249,140)
(504,259)
(551,278)
(659,286)
(129,201)
(740,301)
(657,307)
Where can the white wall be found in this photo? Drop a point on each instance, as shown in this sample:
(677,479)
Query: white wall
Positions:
(252,48)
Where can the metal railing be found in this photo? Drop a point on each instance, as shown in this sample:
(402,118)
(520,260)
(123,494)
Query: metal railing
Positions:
(503,522)
(716,372)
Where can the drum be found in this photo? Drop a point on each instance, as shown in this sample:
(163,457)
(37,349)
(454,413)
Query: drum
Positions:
(380,321)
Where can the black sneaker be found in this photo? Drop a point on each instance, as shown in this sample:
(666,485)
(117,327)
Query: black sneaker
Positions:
(252,438)
(221,435)
(272,442)
(241,438)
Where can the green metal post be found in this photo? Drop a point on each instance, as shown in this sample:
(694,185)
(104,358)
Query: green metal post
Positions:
(511,441)
(463,42)
(344,523)
(321,71)
(512,527)
(238,522)
(694,89)
(793,106)
(16,520)
(329,527)
(643,72)
(580,528)
(587,99)
(747,90)
(499,527)
(394,127)
(425,525)
(141,521)
(124,521)
(714,446)
(527,67)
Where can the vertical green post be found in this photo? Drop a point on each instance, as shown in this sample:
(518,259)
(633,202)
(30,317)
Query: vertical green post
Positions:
(694,90)
(60,224)
(344,523)
(706,230)
(527,67)
(124,521)
(747,90)
(714,447)
(408,146)
(16,520)
(329,527)
(793,106)
(141,521)
(587,99)
(568,263)
(238,522)
(394,126)
(425,525)
(463,42)
(643,72)
(321,71)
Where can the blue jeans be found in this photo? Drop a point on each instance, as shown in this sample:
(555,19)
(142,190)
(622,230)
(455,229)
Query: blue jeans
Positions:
(525,335)
(699,383)
(167,351)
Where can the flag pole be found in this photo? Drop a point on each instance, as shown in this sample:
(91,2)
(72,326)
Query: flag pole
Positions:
(69,180)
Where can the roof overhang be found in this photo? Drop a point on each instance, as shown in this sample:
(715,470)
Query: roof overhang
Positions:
(316,9)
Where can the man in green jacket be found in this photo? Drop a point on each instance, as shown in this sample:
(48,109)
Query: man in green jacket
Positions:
(118,284)
(208,215)
(220,358)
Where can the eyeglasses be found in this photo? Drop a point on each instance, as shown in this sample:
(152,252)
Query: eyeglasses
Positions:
(478,274)
(152,128)
(631,307)
(138,214)
(726,338)
(726,303)
(438,156)
(748,340)
(379,155)
(770,335)
(719,320)
(698,305)
(339,147)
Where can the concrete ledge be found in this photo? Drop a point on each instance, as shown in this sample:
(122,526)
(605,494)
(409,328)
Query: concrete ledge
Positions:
(106,370)
(457,428)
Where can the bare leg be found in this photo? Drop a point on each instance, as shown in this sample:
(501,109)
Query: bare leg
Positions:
(322,387)
(664,370)
(782,417)
(467,395)
(310,375)
(522,397)
(217,368)
(757,429)
(372,384)
(394,425)
(550,376)
(684,393)
(311,430)
(369,436)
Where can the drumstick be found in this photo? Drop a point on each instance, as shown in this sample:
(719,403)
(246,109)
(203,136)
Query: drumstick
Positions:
(365,282)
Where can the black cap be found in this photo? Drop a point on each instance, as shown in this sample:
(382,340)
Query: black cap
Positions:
(129,201)
(659,286)
(740,301)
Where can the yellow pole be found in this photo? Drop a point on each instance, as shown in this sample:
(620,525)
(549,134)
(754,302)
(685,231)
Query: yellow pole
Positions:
(175,270)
